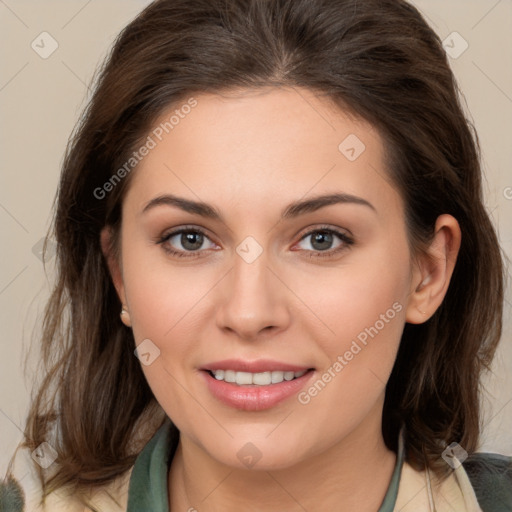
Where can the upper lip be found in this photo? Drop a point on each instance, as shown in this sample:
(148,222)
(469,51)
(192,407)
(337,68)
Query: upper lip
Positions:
(259,366)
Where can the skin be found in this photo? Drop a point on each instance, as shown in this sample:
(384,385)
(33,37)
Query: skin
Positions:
(250,154)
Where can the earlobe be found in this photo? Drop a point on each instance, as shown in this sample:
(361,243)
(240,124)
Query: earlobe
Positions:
(433,271)
(125,317)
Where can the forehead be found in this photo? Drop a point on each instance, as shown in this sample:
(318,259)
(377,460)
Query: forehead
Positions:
(262,145)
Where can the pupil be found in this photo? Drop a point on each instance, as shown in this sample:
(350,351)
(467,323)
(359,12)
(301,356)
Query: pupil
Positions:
(322,236)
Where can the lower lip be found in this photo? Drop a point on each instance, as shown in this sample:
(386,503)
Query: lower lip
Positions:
(254,398)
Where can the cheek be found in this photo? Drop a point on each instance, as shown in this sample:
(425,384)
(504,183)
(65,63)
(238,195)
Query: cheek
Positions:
(366,295)
(358,358)
(162,294)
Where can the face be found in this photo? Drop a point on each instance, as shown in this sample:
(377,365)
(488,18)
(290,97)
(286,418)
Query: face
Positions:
(270,282)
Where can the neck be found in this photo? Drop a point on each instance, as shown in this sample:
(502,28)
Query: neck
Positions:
(354,474)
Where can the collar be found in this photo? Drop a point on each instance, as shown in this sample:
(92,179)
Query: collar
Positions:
(148,480)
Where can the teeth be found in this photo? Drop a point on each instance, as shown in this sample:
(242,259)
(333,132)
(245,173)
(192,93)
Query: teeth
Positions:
(229,376)
(243,378)
(261,379)
(258,379)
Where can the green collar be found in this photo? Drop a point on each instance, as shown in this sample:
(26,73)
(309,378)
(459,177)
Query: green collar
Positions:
(148,481)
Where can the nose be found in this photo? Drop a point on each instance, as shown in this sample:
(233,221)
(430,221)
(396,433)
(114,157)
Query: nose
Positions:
(253,300)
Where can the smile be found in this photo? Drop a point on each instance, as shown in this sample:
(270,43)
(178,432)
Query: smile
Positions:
(256,379)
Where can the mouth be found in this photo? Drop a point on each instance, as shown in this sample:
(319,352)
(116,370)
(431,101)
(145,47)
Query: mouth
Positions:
(269,384)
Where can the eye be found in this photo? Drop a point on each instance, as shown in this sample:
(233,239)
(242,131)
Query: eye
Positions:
(323,242)
(191,240)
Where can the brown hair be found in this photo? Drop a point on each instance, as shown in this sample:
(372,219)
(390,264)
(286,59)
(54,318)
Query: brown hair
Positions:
(378,59)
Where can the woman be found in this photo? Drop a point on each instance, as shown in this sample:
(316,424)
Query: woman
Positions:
(282,199)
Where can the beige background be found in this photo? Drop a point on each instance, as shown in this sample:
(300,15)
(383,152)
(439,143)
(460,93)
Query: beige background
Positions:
(40,100)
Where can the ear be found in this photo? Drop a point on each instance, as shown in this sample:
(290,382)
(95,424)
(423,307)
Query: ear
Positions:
(433,271)
(106,237)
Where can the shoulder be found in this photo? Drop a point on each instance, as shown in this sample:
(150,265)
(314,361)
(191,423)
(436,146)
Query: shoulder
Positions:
(490,475)
(21,490)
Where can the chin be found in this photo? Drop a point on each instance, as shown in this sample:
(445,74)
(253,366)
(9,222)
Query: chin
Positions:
(258,454)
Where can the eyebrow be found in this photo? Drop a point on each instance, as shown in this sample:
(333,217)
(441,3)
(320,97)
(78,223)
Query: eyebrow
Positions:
(293,210)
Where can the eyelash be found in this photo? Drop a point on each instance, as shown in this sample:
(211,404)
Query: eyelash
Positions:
(347,242)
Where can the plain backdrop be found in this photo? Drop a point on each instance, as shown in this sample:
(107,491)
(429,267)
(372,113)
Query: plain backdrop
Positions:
(40,102)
